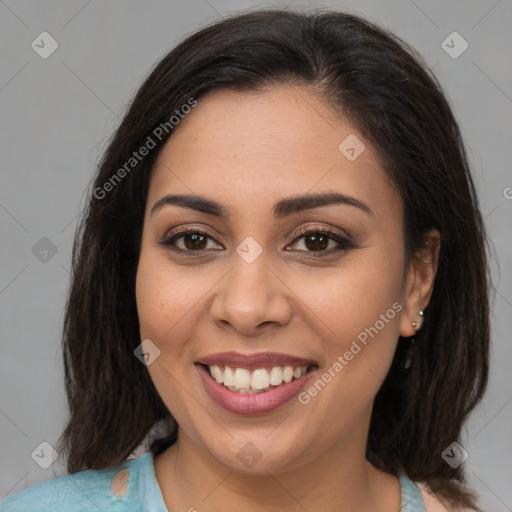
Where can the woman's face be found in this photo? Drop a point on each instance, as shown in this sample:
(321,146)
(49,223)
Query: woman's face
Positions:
(252,294)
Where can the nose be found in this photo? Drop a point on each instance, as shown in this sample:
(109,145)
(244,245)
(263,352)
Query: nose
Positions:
(251,298)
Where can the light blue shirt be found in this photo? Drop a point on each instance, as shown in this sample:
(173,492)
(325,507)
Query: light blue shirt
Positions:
(88,491)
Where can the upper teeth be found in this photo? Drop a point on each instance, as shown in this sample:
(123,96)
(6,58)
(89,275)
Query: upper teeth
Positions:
(242,379)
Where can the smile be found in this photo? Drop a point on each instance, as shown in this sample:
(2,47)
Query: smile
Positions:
(260,380)
(256,383)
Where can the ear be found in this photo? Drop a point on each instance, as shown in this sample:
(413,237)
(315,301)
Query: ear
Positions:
(419,283)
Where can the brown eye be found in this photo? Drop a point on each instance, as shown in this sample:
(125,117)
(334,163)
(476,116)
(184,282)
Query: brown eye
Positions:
(316,242)
(313,242)
(190,241)
(194,241)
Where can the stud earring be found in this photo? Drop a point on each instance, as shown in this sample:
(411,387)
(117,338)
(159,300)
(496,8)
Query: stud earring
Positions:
(411,349)
(416,325)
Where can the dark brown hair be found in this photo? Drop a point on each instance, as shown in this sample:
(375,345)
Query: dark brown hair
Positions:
(384,88)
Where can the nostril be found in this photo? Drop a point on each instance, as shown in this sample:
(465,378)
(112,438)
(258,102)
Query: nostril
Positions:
(119,484)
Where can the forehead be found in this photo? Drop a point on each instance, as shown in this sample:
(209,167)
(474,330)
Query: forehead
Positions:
(248,149)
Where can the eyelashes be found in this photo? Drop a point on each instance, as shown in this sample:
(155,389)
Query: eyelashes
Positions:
(198,242)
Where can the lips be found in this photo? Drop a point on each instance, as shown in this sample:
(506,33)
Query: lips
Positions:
(270,399)
(254,361)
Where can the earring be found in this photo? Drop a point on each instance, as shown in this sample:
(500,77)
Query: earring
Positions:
(410,351)
(416,325)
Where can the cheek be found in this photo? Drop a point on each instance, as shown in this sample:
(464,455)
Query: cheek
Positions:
(347,299)
(164,302)
(163,308)
(166,298)
(355,310)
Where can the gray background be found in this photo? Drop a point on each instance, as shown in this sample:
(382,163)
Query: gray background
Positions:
(57,114)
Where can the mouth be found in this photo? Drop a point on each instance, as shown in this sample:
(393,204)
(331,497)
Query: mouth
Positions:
(254,384)
(261,380)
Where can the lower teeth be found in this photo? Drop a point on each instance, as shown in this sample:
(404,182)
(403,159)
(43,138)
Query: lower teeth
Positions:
(251,391)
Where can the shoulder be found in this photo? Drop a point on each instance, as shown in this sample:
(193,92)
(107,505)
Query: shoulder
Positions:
(433,503)
(79,492)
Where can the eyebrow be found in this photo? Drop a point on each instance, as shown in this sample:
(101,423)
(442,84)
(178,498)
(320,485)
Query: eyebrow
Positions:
(282,208)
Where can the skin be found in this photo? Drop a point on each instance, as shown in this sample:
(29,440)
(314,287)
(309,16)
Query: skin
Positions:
(247,151)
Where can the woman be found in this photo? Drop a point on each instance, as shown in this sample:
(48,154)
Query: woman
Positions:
(284,262)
